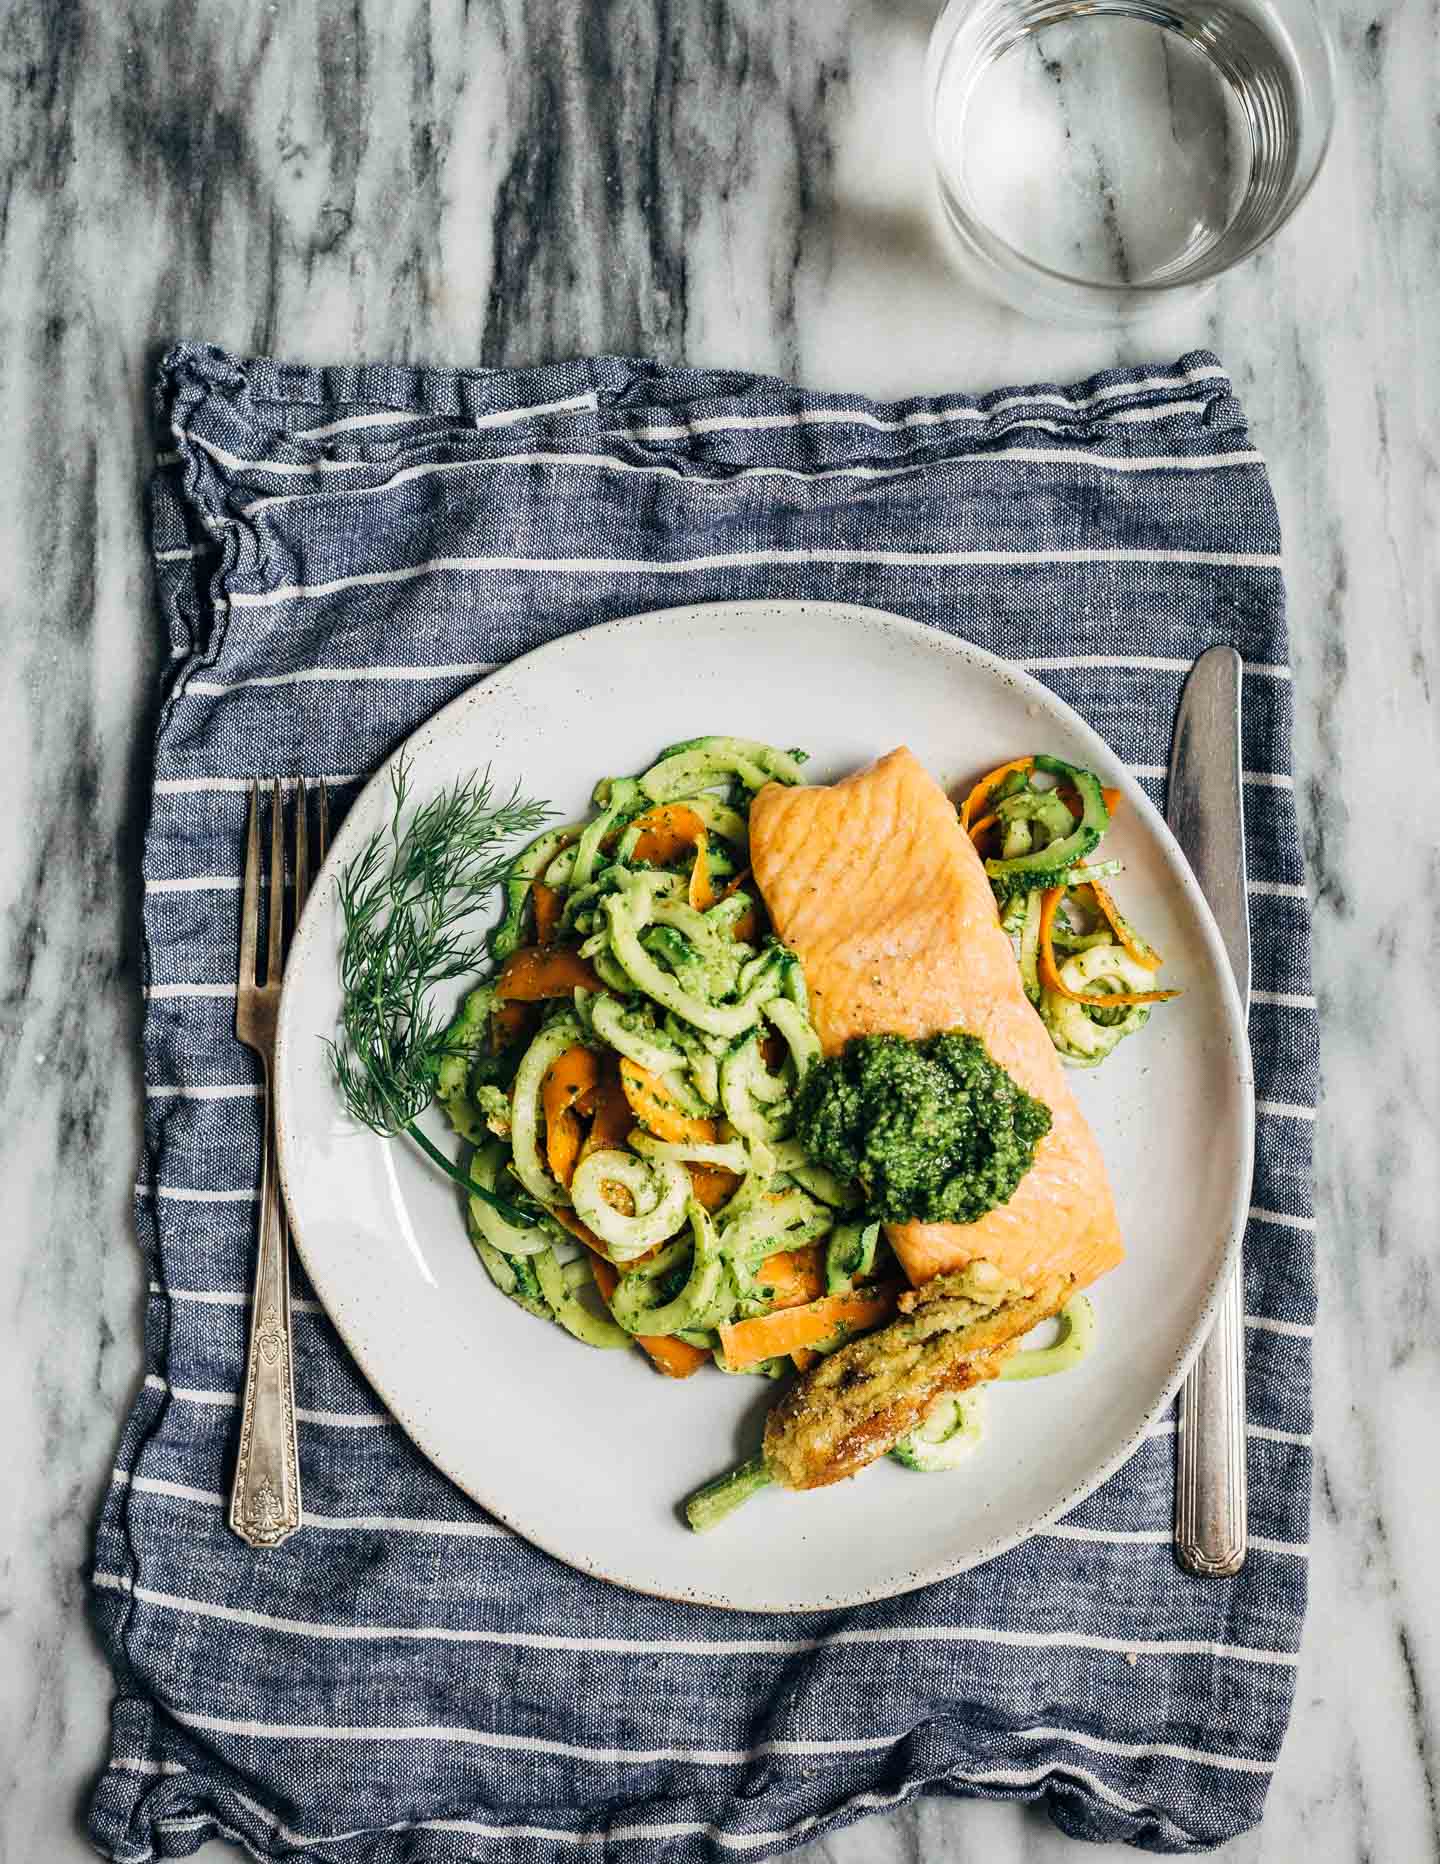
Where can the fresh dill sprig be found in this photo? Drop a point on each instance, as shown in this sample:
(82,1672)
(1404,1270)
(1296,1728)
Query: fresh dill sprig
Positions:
(404,901)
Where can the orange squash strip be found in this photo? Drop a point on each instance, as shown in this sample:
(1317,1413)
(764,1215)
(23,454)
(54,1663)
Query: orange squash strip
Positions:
(612,1120)
(1139,949)
(804,1357)
(657,1112)
(563,1135)
(677,1359)
(584,1234)
(796,1276)
(533,974)
(736,884)
(581,1232)
(977,829)
(569,1079)
(979,795)
(666,832)
(547,912)
(713,1185)
(1050,971)
(787,1329)
(511,1023)
(702,891)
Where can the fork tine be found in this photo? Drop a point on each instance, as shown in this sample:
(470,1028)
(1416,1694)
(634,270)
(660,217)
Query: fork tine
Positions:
(322,845)
(277,885)
(250,900)
(302,850)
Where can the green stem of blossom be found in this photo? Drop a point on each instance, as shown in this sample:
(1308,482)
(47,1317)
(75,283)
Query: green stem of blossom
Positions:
(511,1212)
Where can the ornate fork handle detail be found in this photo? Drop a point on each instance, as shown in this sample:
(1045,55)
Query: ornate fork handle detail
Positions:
(265,1499)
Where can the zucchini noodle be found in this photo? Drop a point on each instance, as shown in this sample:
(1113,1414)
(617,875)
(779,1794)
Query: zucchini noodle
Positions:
(527,869)
(626,1031)
(850,1256)
(1071,1344)
(1085,1033)
(1038,823)
(730,1157)
(801,1040)
(694,1307)
(707,762)
(658,1189)
(571,1311)
(497,1230)
(949,1432)
(748,1094)
(661,986)
(562,1033)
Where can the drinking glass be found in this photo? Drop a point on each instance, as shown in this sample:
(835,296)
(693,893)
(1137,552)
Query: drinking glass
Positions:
(1099,159)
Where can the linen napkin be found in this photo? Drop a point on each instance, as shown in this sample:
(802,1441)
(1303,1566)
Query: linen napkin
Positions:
(339,552)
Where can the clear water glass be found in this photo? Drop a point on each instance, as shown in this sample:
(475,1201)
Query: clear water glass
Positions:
(1098,159)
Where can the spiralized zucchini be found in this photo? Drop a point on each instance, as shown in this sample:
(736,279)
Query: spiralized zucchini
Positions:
(747,1093)
(1086,1033)
(1038,822)
(850,1255)
(774,1219)
(659,1190)
(729,1157)
(628,1033)
(571,1312)
(950,1431)
(497,1230)
(704,763)
(526,870)
(508,1253)
(1069,1347)
(801,1040)
(625,923)
(818,1180)
(695,1306)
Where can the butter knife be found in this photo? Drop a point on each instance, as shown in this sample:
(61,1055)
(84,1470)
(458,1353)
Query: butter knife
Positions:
(1205,808)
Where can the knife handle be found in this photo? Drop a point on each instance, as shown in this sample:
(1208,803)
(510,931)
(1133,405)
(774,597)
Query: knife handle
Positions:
(1210,1475)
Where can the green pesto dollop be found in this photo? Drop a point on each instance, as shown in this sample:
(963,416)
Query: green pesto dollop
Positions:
(935,1131)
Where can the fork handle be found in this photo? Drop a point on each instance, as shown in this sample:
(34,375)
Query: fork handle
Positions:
(265,1498)
(1210,1475)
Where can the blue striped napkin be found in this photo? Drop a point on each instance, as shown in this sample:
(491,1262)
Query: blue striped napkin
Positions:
(339,552)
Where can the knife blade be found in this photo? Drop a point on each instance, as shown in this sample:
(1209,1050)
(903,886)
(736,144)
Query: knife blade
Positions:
(1205,808)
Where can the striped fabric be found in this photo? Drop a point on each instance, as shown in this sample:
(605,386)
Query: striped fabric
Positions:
(341,551)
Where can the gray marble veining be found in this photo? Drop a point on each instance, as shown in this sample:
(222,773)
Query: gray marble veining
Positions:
(490,181)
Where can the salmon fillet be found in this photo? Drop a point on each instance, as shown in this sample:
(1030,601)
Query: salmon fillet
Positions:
(880,893)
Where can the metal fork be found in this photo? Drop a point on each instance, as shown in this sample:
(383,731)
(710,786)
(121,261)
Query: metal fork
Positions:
(265,1496)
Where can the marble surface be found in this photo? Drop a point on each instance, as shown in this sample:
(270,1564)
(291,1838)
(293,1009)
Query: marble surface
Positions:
(733,182)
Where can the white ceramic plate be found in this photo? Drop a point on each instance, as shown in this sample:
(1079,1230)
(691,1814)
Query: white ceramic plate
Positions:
(588,1454)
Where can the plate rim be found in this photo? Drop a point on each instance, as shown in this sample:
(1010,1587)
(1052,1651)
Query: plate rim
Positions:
(963,653)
